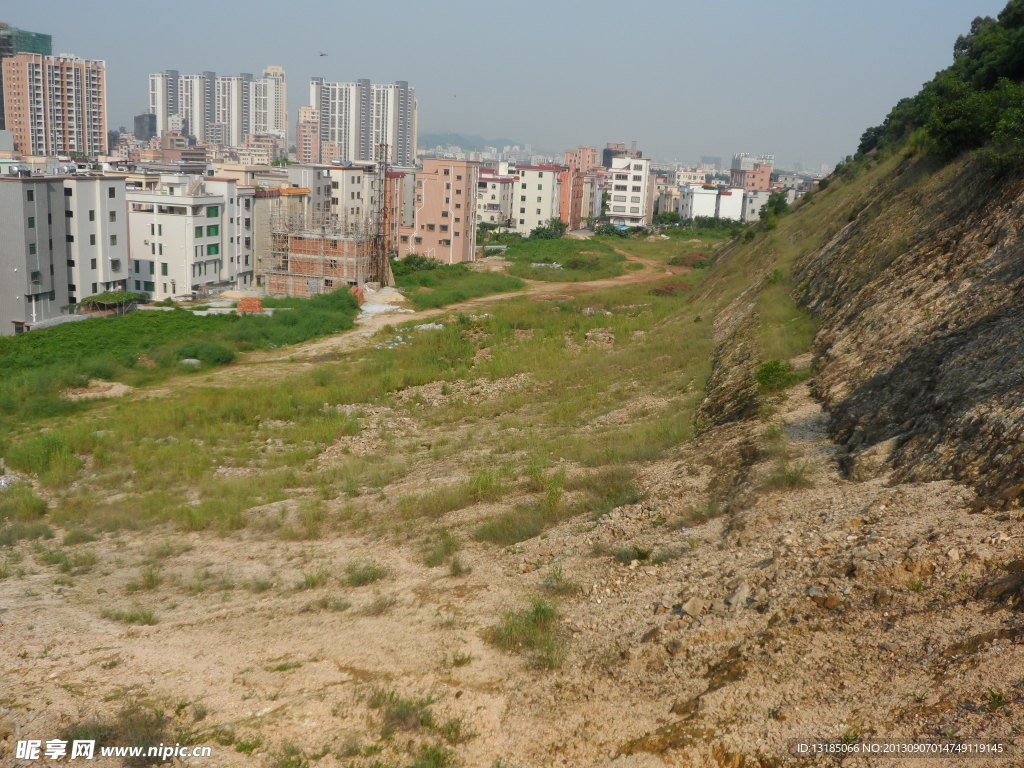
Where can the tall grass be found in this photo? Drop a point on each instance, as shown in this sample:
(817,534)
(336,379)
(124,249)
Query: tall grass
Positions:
(452,283)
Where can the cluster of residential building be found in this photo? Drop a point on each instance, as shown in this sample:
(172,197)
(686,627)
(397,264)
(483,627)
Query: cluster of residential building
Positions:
(203,196)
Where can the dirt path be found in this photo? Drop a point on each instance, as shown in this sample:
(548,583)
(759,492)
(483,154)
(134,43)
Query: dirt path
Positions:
(279,362)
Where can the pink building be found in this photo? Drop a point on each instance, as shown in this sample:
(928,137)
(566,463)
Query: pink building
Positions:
(444,212)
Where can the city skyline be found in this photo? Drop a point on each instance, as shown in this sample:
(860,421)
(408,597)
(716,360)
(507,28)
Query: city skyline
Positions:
(802,81)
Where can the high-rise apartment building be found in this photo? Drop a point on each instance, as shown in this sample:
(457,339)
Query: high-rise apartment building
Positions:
(220,109)
(356,118)
(55,105)
(307,135)
(270,103)
(145,126)
(14,40)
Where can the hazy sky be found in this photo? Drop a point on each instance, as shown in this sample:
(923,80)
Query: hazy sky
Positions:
(683,78)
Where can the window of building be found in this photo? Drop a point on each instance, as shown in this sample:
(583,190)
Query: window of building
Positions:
(524,186)
(522,198)
(31,195)
(638,178)
(458,178)
(638,167)
(113,216)
(115,265)
(522,210)
(113,239)
(69,214)
(538,199)
(110,192)
(405,238)
(92,215)
(212,230)
(212,212)
(638,189)
(444,227)
(634,210)
(538,211)
(69,238)
(447,172)
(430,227)
(31,222)
(199,231)
(31,249)
(152,267)
(212,249)
(148,286)
(418,240)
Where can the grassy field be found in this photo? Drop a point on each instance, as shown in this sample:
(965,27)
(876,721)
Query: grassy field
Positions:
(611,381)
(452,283)
(144,346)
(576,260)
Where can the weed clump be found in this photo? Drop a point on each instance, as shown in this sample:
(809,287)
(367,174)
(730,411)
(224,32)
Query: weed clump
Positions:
(363,572)
(535,629)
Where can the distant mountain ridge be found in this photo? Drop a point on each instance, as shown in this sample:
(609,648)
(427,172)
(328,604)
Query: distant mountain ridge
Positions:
(470,142)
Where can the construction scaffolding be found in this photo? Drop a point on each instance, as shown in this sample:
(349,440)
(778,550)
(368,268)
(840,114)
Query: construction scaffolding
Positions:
(313,254)
(322,251)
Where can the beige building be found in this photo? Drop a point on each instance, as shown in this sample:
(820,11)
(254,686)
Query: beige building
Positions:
(55,105)
(444,212)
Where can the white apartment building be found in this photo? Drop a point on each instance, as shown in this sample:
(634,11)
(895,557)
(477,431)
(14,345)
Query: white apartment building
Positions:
(192,235)
(698,202)
(494,197)
(97,235)
(630,192)
(355,192)
(62,239)
(536,196)
(231,109)
(269,103)
(730,204)
(686,176)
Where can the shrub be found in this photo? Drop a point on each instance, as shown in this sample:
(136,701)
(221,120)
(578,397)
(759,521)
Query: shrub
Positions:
(776,374)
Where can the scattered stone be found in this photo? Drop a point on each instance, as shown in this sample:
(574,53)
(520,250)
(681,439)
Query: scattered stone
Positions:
(651,635)
(954,555)
(693,607)
(429,327)
(996,538)
(6,481)
(190,362)
(738,599)
(673,647)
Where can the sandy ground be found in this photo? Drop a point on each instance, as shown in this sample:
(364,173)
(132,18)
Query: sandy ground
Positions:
(839,609)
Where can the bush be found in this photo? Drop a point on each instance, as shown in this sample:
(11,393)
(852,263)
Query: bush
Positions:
(776,375)
(209,352)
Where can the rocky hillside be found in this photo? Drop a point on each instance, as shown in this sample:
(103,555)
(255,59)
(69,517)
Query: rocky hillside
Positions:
(920,357)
